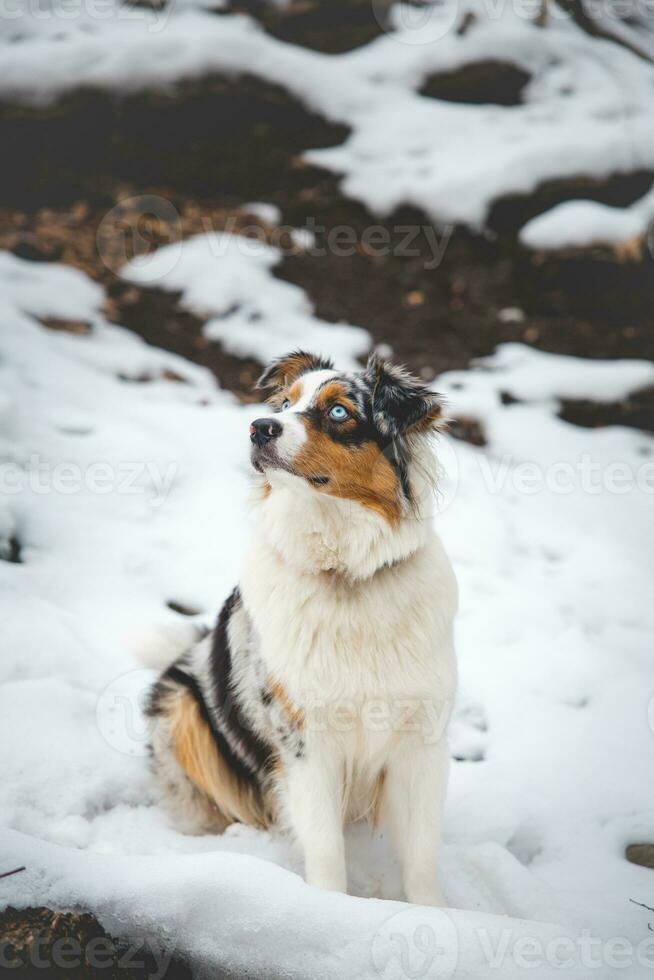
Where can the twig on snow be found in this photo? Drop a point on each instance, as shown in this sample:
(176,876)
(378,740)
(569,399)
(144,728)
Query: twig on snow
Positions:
(643,906)
(7,874)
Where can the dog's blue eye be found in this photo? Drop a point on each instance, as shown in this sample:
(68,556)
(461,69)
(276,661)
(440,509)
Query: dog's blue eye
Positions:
(338,413)
(285,404)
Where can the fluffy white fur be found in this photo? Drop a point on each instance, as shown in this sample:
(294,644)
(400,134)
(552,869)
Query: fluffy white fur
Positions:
(349,619)
(354,618)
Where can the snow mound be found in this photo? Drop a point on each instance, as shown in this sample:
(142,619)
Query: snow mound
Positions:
(580,224)
(229,280)
(234,916)
(533,375)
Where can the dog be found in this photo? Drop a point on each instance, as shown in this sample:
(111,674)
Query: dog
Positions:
(323,693)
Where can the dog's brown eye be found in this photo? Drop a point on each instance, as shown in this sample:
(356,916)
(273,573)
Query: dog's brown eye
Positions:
(338,413)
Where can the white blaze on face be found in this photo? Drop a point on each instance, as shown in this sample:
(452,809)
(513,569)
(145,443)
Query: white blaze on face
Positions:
(294,433)
(309,383)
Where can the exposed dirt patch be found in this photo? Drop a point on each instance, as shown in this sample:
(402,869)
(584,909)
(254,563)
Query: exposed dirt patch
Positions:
(156,316)
(78,327)
(434,319)
(642,854)
(609,296)
(468,429)
(436,298)
(331,26)
(233,137)
(637,410)
(442,318)
(38,942)
(481,83)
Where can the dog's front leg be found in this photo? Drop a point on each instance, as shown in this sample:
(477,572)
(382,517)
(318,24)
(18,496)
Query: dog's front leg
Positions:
(414,794)
(314,797)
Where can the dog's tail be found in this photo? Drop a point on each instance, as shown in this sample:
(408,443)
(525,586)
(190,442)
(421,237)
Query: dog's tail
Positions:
(161,645)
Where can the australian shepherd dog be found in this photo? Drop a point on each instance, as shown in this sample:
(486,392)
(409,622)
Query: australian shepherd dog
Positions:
(323,693)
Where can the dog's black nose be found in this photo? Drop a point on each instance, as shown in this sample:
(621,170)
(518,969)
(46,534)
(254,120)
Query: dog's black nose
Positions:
(264,430)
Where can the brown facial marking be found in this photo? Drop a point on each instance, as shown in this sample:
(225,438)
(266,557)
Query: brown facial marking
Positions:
(334,393)
(295,716)
(361,473)
(294,393)
(278,397)
(284,371)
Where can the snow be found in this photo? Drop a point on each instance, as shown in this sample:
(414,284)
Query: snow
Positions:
(229,280)
(548,530)
(256,931)
(451,160)
(269,213)
(533,376)
(580,224)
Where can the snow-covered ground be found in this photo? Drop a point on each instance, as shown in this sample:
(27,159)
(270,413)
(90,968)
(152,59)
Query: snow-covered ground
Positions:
(578,224)
(586,112)
(126,494)
(228,280)
(123,491)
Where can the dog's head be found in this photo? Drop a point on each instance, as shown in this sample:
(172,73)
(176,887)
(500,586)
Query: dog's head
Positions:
(349,435)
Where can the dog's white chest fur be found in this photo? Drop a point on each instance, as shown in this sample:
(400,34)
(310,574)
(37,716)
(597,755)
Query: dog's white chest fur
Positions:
(324,635)
(369,660)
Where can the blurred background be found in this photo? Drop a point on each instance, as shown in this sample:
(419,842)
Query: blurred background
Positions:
(457,131)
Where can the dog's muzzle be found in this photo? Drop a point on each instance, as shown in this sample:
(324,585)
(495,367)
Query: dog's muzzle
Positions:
(264,431)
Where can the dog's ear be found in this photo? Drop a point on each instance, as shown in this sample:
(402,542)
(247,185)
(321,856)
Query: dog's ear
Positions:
(402,404)
(285,370)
